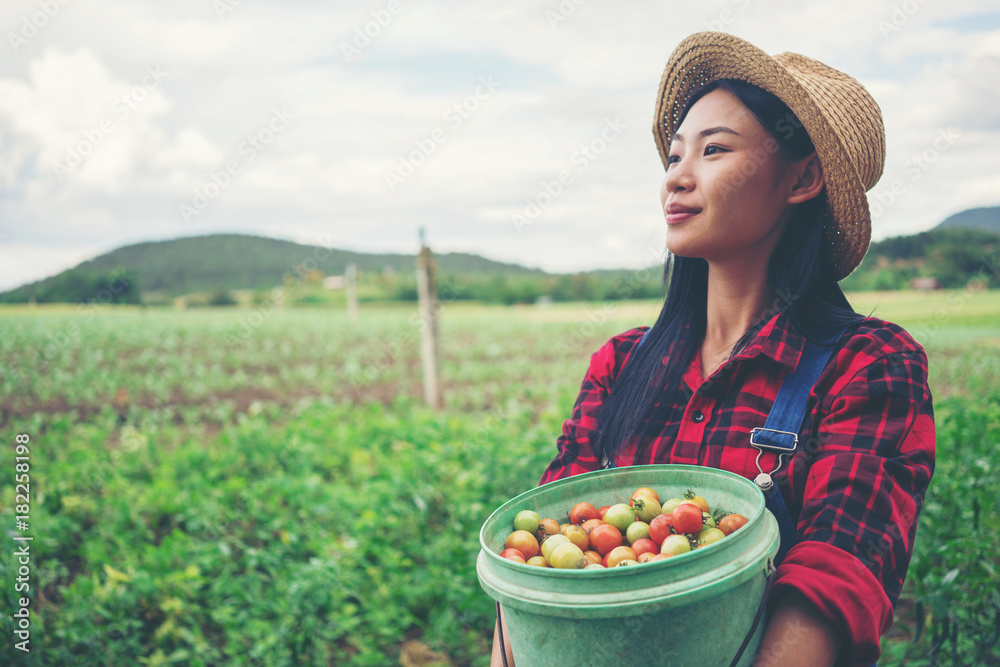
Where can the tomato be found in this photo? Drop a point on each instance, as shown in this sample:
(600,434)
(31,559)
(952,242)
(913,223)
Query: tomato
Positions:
(710,536)
(670,505)
(527,520)
(578,536)
(539,561)
(645,546)
(590,524)
(697,500)
(627,562)
(548,527)
(675,545)
(593,556)
(582,512)
(524,542)
(517,558)
(567,557)
(507,553)
(550,543)
(593,566)
(646,491)
(636,531)
(707,521)
(620,516)
(730,523)
(659,528)
(687,519)
(601,512)
(645,557)
(617,555)
(563,527)
(605,538)
(660,556)
(646,508)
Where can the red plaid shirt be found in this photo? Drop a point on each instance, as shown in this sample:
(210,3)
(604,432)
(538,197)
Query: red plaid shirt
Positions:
(854,487)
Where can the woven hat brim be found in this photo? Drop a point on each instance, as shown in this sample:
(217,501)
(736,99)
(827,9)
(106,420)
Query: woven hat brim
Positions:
(709,56)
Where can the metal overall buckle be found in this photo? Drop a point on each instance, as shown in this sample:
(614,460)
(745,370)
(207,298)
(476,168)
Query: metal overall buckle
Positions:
(763,480)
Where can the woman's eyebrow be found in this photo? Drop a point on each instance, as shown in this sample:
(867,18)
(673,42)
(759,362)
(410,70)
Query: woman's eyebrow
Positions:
(708,131)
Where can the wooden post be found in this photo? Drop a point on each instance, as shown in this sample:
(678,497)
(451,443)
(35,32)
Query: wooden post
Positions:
(427,292)
(351,278)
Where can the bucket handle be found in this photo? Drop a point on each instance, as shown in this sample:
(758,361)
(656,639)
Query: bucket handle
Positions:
(503,649)
(768,572)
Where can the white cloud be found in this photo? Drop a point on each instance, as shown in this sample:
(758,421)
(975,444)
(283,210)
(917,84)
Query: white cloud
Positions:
(559,81)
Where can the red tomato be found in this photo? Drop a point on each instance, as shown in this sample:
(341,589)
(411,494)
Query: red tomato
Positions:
(731,523)
(617,555)
(659,529)
(604,538)
(582,512)
(645,546)
(507,553)
(687,519)
(591,524)
(601,512)
(646,491)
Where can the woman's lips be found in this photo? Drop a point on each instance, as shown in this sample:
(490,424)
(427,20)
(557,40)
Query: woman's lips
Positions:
(674,218)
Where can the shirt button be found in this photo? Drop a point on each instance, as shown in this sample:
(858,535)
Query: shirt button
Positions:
(697,416)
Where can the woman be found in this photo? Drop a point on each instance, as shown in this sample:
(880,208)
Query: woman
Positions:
(767,161)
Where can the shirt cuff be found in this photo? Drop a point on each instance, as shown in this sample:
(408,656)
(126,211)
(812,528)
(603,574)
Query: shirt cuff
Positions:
(844,591)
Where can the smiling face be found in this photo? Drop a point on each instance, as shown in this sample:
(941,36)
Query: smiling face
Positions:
(726,167)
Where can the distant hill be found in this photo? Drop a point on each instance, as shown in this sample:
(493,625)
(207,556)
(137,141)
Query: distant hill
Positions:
(987,219)
(222,262)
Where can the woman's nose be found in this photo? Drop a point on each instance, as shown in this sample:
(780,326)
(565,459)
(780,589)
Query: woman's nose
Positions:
(678,177)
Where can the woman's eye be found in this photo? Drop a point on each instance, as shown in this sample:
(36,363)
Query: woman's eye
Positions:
(708,148)
(672,158)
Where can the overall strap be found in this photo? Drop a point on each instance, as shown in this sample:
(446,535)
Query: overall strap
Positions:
(780,432)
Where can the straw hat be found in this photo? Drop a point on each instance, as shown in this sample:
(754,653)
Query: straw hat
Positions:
(841,117)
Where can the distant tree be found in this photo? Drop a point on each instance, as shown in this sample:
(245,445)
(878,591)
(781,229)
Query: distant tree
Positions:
(222,298)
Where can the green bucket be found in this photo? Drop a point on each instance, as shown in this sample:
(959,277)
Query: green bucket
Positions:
(692,609)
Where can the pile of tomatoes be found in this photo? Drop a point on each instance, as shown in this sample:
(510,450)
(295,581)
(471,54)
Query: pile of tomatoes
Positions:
(640,531)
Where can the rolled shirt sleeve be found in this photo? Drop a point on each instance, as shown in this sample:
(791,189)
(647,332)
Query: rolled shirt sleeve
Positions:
(862,495)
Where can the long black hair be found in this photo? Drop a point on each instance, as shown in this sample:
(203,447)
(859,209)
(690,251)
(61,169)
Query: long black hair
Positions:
(798,271)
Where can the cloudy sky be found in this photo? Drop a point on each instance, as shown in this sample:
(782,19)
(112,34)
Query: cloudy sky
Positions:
(352,124)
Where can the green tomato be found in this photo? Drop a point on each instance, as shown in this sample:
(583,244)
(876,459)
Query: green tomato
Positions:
(709,535)
(637,531)
(670,505)
(646,508)
(620,516)
(707,520)
(527,520)
(551,542)
(627,562)
(594,566)
(675,545)
(568,556)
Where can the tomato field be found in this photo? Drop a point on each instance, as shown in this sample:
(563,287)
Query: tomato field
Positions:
(236,486)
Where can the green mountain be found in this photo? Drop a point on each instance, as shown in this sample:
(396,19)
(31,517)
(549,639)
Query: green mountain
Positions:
(222,262)
(987,219)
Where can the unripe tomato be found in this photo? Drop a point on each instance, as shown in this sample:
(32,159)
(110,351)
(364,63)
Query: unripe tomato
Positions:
(731,523)
(551,542)
(627,562)
(660,556)
(620,516)
(563,527)
(709,536)
(643,547)
(645,557)
(590,524)
(593,566)
(524,542)
(617,555)
(582,512)
(697,500)
(637,530)
(593,556)
(687,519)
(578,536)
(604,538)
(538,561)
(527,520)
(646,491)
(670,505)
(567,557)
(707,521)
(659,528)
(646,508)
(675,545)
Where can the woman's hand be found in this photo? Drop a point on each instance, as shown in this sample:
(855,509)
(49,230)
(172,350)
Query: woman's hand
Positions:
(798,635)
(497,659)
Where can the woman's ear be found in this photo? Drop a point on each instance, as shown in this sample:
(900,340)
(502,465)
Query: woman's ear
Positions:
(807,179)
